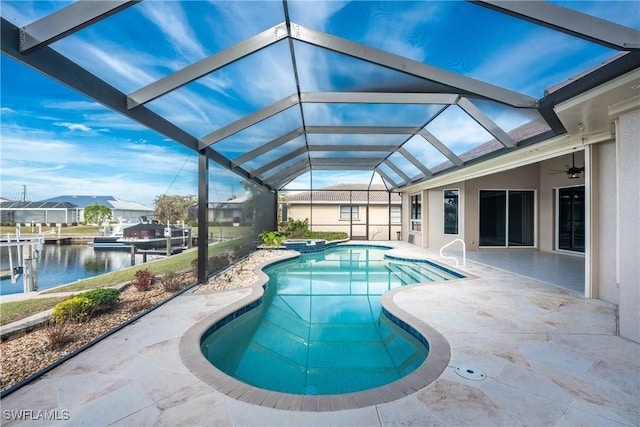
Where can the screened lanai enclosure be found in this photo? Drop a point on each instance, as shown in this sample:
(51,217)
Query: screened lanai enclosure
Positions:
(297,96)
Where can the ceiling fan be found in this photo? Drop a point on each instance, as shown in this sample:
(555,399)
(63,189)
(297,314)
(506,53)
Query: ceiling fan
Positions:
(573,172)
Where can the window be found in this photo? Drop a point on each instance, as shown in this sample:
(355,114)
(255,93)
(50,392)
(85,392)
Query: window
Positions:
(396,214)
(345,210)
(416,212)
(507,218)
(451,198)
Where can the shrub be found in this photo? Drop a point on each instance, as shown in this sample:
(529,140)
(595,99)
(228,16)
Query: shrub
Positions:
(143,279)
(216,263)
(327,235)
(75,309)
(59,335)
(171,282)
(296,228)
(245,249)
(103,299)
(140,304)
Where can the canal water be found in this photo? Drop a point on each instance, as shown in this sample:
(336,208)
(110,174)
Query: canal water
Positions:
(63,264)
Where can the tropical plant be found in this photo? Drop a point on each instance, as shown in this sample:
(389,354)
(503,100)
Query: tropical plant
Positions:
(295,228)
(271,238)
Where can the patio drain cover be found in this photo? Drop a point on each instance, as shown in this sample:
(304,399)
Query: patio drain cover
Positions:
(471,373)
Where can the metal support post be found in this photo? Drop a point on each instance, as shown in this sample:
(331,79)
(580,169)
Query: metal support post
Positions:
(203,220)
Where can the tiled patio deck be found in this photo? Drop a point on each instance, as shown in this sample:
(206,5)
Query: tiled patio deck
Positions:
(550,358)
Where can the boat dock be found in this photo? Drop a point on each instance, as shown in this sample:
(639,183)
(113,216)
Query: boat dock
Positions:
(67,240)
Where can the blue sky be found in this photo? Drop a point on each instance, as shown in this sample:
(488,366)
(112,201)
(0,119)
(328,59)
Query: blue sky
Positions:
(56,141)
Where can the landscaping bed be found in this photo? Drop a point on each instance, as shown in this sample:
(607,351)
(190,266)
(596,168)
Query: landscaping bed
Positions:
(25,355)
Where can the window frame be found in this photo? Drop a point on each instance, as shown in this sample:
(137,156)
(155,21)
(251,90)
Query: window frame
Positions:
(457,211)
(415,212)
(534,218)
(352,209)
(397,218)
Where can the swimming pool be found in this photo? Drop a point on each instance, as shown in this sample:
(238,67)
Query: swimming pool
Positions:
(320,327)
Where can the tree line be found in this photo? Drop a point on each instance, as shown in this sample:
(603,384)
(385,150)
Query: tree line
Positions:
(174,209)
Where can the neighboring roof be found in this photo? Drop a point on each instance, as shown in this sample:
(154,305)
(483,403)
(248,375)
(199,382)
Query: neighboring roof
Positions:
(246,196)
(37,205)
(109,201)
(225,205)
(345,193)
(124,205)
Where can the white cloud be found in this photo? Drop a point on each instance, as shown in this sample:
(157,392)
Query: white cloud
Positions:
(314,14)
(63,104)
(171,20)
(74,126)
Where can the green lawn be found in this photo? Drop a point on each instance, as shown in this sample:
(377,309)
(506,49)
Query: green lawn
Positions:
(12,311)
(92,230)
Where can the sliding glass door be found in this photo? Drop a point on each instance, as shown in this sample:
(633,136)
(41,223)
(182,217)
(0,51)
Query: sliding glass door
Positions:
(571,219)
(507,218)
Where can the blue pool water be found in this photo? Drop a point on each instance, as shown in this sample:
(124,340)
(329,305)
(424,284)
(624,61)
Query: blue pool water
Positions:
(319,328)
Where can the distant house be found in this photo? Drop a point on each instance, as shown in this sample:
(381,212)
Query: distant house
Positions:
(69,210)
(12,212)
(229,211)
(362,211)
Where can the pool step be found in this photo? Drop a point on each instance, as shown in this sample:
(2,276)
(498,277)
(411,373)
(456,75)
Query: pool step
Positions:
(417,273)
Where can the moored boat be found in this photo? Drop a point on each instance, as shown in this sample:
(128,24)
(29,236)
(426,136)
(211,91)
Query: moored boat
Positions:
(154,236)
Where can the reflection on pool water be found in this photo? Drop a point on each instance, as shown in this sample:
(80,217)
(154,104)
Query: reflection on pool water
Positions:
(319,329)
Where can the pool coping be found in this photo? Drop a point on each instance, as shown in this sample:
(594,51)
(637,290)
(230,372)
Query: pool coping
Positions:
(434,365)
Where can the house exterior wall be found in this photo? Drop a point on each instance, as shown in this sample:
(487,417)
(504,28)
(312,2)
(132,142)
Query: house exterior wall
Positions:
(541,177)
(550,181)
(326,217)
(607,220)
(627,131)
(525,178)
(612,182)
(39,216)
(433,230)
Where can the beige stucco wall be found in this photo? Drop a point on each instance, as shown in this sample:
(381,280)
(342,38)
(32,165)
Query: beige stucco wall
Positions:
(607,223)
(326,217)
(627,131)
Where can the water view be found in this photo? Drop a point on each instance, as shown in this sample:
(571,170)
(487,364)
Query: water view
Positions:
(59,265)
